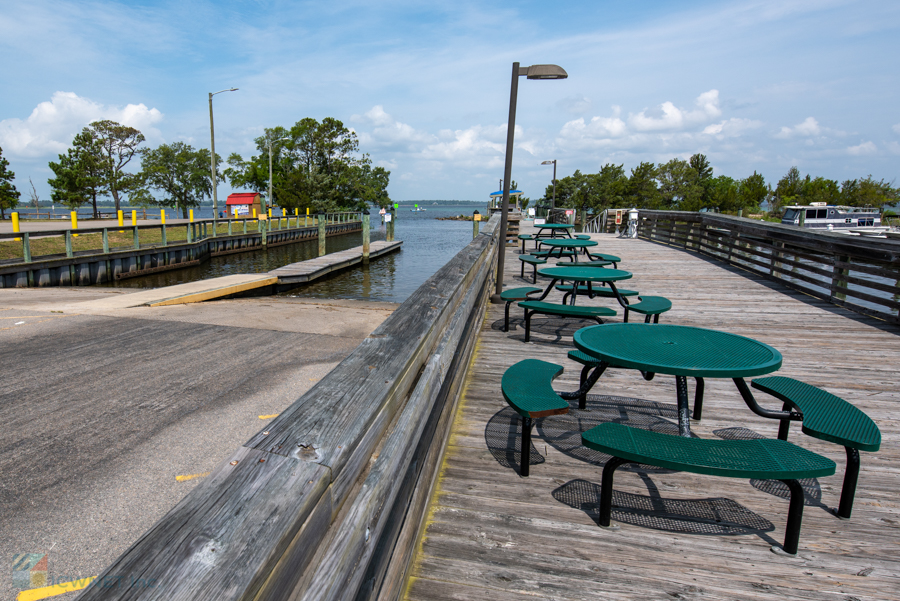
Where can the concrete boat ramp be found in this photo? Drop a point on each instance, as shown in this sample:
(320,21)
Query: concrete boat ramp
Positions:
(229,285)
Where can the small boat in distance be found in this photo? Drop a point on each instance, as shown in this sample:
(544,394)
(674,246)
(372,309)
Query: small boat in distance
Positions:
(820,215)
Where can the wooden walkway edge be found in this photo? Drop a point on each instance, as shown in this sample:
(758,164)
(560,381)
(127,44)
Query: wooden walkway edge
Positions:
(494,535)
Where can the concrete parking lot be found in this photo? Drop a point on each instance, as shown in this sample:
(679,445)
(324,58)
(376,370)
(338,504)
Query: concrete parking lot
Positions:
(110,417)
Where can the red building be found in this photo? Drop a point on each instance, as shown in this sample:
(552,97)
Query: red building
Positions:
(244,204)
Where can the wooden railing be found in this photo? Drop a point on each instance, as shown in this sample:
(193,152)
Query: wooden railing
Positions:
(859,273)
(327,502)
(162,232)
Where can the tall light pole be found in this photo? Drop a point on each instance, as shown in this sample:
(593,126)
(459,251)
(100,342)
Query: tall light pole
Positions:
(552,202)
(532,72)
(269,142)
(212,160)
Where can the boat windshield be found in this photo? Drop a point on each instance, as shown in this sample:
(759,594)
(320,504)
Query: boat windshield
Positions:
(790,214)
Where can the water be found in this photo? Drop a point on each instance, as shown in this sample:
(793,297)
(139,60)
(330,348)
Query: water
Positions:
(428,244)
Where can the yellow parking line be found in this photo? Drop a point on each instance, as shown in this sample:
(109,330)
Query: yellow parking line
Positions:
(269,416)
(186,477)
(51,591)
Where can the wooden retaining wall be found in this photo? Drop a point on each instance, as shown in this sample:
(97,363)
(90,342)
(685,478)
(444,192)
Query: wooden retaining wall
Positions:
(856,272)
(328,501)
(87,268)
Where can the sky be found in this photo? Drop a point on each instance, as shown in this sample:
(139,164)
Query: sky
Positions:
(754,85)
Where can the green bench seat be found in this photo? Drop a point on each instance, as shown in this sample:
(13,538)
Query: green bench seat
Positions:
(555,253)
(765,458)
(826,417)
(524,238)
(588,264)
(582,237)
(598,290)
(513,295)
(649,306)
(534,262)
(544,308)
(611,258)
(526,386)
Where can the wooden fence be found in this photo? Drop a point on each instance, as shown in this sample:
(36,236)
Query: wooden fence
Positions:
(328,501)
(856,272)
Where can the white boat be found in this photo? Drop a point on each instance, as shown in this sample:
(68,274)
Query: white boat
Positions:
(820,215)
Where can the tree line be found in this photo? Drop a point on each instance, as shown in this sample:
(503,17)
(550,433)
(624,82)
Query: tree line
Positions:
(315,166)
(691,186)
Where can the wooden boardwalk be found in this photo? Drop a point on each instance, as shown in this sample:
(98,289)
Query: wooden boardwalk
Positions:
(493,535)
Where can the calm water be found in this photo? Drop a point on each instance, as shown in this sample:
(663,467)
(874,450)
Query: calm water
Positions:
(427,245)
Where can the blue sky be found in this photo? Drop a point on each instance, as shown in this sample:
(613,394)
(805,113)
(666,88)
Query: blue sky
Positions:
(754,85)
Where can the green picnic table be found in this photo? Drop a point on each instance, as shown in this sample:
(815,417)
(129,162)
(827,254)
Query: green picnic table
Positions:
(569,244)
(680,351)
(553,229)
(581,275)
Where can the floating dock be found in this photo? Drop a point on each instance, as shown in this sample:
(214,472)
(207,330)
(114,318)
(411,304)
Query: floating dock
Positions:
(307,271)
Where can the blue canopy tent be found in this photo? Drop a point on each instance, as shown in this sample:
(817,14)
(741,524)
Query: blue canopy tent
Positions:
(497,201)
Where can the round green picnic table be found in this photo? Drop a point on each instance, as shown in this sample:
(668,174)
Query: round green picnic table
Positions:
(552,230)
(680,351)
(578,275)
(568,244)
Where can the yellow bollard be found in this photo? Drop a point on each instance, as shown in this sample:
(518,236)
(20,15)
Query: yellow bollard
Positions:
(254,213)
(270,213)
(133,218)
(162,216)
(296,212)
(192,215)
(307,211)
(235,213)
(15,220)
(121,221)
(74,221)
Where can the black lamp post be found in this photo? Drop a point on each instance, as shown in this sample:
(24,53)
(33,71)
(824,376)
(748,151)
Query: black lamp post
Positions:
(532,72)
(552,202)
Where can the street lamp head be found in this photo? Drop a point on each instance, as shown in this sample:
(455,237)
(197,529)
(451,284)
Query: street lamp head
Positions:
(543,72)
(553,162)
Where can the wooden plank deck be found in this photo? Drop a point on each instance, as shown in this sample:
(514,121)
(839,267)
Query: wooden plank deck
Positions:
(493,535)
(311,269)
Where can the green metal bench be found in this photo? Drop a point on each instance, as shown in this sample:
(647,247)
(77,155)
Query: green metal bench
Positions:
(526,386)
(534,262)
(544,308)
(765,458)
(588,264)
(554,253)
(599,290)
(611,258)
(523,238)
(649,306)
(581,237)
(827,417)
(513,295)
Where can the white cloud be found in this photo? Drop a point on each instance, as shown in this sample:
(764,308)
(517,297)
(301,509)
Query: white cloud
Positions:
(52,124)
(390,134)
(598,127)
(809,127)
(863,149)
(731,128)
(672,118)
(575,105)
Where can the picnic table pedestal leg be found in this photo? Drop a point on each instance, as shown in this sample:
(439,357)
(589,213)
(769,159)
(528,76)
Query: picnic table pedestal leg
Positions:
(684,413)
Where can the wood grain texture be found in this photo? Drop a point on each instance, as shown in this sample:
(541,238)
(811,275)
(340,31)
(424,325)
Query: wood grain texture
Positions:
(494,535)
